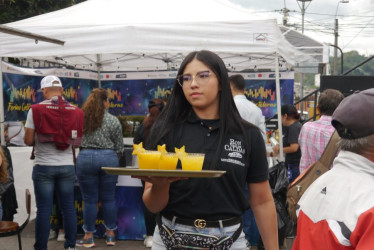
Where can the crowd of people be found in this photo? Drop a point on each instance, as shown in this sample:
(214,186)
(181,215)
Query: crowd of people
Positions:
(207,112)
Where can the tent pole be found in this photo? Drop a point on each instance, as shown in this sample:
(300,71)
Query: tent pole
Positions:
(98,65)
(277,90)
(2,102)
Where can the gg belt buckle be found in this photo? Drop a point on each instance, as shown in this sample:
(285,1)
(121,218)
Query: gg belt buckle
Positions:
(199,223)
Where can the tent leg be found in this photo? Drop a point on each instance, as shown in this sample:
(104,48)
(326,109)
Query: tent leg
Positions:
(279,104)
(98,66)
(2,102)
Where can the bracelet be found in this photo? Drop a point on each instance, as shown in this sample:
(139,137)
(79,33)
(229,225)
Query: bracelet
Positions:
(271,154)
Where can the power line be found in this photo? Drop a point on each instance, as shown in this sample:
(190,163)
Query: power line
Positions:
(358,33)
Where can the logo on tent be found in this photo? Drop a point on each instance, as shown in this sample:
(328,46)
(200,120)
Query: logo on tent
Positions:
(121,76)
(262,37)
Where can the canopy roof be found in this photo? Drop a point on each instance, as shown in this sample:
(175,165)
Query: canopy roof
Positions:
(124,35)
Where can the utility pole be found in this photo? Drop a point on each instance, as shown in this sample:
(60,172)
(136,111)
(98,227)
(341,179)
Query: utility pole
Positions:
(336,34)
(285,16)
(302,8)
(335,48)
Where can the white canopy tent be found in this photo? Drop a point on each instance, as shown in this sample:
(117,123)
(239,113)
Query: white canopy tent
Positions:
(120,35)
(143,35)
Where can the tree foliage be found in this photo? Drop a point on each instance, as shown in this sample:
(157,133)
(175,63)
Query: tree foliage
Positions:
(350,60)
(15,10)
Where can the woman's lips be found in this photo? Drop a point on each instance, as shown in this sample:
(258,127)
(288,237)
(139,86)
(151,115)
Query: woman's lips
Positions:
(195,94)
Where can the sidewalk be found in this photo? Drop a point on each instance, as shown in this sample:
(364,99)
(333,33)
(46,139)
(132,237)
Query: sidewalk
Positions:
(11,243)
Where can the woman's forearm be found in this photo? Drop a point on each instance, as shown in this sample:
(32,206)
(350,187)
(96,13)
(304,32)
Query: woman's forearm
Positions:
(263,207)
(156,196)
(266,221)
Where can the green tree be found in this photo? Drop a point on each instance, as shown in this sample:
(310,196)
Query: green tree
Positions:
(352,59)
(15,10)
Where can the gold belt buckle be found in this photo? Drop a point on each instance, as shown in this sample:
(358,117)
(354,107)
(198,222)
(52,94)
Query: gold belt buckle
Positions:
(199,223)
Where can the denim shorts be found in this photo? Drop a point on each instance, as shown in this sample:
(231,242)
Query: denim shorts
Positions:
(239,244)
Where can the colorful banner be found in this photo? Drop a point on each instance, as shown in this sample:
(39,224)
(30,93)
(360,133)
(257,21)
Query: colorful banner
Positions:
(130,214)
(260,89)
(131,97)
(129,92)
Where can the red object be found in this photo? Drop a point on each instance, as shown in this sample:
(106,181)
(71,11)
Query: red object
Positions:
(58,121)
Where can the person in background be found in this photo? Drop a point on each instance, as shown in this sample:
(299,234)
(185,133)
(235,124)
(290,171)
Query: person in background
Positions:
(290,121)
(155,107)
(4,179)
(314,136)
(247,109)
(14,133)
(337,210)
(201,115)
(253,114)
(7,190)
(53,127)
(102,145)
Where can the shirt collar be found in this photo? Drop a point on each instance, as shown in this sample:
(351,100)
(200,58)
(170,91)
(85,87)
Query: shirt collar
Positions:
(240,97)
(193,118)
(325,118)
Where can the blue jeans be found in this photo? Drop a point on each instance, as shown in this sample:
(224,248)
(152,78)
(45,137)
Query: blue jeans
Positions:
(46,178)
(250,229)
(1,211)
(239,244)
(96,185)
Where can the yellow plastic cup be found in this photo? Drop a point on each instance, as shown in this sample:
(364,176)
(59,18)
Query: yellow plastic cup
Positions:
(149,159)
(168,161)
(193,162)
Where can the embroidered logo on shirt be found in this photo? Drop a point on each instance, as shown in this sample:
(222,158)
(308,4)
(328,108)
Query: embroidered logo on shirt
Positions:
(235,155)
(235,146)
(236,151)
(324,190)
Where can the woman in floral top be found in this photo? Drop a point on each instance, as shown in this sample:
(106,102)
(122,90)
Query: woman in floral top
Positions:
(101,144)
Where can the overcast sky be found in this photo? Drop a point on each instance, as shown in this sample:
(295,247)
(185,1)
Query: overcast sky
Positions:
(356,20)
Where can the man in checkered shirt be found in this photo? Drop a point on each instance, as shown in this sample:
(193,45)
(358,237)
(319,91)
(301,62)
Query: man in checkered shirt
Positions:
(314,136)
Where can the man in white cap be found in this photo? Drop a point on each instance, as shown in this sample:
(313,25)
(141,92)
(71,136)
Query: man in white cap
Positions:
(53,127)
(337,210)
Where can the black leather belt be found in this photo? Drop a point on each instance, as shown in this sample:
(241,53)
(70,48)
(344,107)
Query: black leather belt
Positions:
(201,223)
(82,148)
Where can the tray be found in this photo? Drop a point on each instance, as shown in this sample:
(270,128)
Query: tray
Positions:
(163,173)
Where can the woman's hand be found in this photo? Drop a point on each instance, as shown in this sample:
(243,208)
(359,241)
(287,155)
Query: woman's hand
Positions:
(156,191)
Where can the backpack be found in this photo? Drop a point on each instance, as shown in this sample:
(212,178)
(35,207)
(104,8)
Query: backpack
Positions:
(297,188)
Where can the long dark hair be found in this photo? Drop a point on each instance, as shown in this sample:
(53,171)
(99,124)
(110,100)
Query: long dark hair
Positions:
(178,107)
(155,107)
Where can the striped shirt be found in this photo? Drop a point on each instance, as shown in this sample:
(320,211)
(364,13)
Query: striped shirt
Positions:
(313,139)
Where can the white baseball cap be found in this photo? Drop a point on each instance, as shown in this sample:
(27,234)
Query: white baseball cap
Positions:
(50,81)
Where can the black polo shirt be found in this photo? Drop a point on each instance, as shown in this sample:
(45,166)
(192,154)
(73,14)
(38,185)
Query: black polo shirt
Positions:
(215,198)
(291,135)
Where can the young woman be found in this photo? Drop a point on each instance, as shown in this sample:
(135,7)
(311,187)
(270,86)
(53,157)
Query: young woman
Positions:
(201,115)
(101,144)
(292,126)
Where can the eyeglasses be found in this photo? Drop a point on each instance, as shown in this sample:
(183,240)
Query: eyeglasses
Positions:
(201,77)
